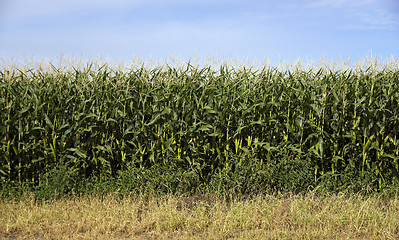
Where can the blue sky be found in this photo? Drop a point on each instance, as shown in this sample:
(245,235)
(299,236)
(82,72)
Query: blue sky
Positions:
(122,30)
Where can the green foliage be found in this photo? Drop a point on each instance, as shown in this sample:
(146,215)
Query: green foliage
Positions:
(190,129)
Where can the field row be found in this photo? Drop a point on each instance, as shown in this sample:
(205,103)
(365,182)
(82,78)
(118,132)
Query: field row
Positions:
(184,129)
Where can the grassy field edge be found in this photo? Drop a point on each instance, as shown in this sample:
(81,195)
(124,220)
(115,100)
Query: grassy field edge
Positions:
(211,216)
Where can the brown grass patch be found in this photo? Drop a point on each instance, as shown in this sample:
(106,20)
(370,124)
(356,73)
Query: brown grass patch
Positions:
(198,217)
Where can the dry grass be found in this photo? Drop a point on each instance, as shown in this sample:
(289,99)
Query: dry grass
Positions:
(199,217)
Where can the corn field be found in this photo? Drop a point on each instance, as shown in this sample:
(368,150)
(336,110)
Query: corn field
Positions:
(181,129)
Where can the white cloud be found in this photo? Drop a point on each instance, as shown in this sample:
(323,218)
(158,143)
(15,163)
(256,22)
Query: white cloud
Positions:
(360,14)
(27,9)
(338,3)
(326,3)
(380,18)
(376,19)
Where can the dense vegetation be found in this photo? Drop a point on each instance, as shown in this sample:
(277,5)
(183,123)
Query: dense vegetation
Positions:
(192,129)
